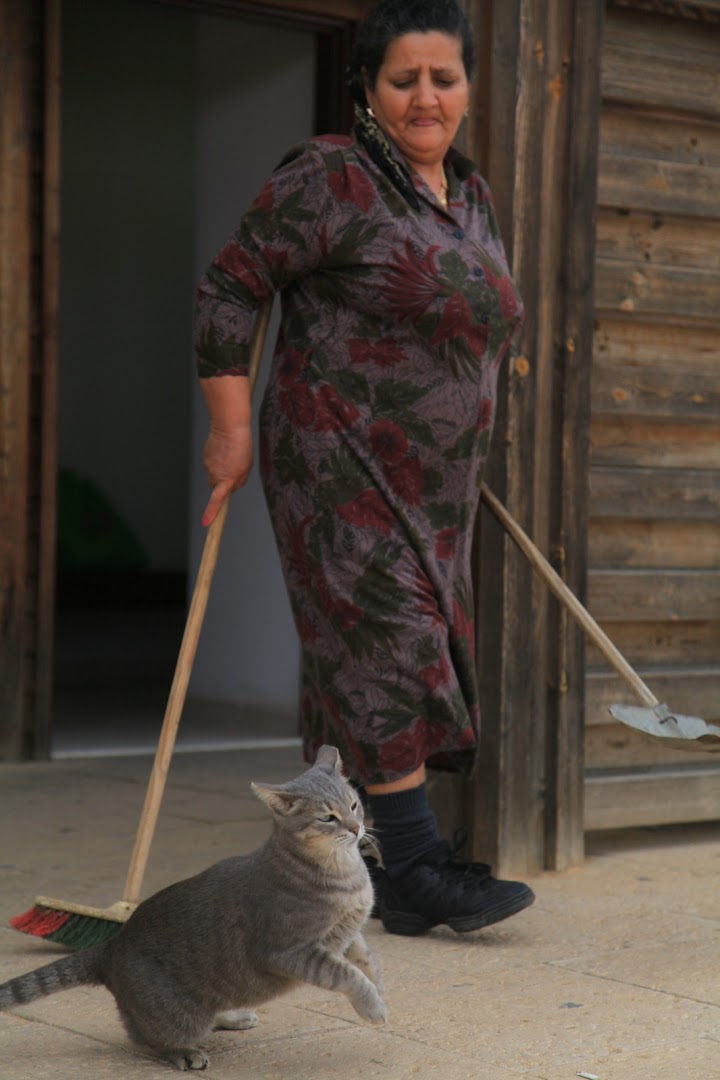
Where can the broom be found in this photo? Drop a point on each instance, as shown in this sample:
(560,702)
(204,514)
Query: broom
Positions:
(76,926)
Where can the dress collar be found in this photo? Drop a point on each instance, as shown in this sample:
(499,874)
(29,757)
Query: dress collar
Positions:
(386,155)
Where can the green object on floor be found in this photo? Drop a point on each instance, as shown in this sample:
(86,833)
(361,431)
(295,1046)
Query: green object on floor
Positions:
(91,534)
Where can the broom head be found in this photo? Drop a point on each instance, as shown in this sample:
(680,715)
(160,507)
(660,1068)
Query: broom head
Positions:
(74,926)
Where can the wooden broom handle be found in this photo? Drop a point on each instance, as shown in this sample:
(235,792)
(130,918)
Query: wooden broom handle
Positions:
(186,656)
(568,599)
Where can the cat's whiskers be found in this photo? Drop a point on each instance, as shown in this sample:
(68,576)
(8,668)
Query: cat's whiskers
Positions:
(373,843)
(346,840)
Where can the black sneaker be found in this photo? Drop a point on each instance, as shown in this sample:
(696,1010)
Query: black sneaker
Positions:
(440,890)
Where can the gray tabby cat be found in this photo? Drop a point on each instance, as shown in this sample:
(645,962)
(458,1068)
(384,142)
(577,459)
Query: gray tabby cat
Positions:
(197,955)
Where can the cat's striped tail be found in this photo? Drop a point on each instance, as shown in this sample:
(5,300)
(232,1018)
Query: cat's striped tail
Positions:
(79,969)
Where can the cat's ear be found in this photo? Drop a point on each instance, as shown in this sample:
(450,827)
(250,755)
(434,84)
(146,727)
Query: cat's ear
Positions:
(328,755)
(279,799)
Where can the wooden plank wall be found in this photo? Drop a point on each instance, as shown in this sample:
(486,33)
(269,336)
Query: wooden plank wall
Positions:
(654,531)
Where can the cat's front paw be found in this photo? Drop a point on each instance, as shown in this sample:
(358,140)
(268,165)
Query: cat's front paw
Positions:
(371,1007)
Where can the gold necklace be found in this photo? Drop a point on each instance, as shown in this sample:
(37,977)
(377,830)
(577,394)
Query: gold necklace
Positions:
(443,196)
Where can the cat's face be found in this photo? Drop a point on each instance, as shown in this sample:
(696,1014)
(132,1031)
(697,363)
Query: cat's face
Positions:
(331,821)
(320,807)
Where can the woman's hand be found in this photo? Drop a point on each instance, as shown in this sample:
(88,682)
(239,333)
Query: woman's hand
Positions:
(228,458)
(228,453)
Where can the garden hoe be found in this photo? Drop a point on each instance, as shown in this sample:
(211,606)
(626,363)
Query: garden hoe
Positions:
(653,720)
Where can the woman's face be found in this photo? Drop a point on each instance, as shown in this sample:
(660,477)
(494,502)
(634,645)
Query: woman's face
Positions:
(421,94)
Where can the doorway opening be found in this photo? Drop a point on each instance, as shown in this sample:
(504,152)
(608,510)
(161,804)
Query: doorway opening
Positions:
(171,120)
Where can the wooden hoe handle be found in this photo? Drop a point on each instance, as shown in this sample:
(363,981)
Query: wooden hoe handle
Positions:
(568,599)
(186,656)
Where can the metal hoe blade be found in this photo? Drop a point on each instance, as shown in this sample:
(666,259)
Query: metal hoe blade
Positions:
(674,730)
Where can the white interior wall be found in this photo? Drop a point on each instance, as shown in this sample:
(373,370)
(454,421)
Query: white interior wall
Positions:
(254,99)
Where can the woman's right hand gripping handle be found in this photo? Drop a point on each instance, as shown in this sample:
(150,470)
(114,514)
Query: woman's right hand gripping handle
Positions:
(228,453)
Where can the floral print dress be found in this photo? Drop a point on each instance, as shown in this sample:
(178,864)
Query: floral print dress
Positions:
(374,431)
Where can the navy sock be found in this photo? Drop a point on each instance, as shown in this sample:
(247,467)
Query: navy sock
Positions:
(404,825)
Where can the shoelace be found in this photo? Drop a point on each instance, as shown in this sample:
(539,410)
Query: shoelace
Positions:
(446,870)
(458,862)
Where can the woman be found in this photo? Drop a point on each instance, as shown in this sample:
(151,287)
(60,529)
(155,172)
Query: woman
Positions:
(397,310)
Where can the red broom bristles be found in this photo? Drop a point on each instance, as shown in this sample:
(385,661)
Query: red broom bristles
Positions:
(40,921)
(66,928)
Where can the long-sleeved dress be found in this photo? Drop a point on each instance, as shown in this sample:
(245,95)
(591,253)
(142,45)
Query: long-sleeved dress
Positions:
(374,431)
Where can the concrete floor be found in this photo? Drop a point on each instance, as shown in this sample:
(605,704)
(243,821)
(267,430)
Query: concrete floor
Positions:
(614,973)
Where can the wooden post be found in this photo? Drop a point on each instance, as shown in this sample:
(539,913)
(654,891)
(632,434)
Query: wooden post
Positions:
(565,751)
(29,224)
(506,796)
(536,138)
(15,348)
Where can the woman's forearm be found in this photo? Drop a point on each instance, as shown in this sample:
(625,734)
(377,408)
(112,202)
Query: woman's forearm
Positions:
(228,401)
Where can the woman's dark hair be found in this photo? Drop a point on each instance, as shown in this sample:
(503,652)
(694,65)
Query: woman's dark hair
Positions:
(390,19)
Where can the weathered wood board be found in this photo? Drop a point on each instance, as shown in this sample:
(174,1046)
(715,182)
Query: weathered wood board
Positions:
(664,494)
(619,798)
(614,542)
(663,644)
(606,742)
(661,63)
(654,478)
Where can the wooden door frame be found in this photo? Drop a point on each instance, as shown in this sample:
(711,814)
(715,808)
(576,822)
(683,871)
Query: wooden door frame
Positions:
(29,223)
(311,14)
(332,21)
(48,376)
(15,246)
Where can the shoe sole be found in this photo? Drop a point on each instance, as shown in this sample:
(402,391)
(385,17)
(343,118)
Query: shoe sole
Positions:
(409,924)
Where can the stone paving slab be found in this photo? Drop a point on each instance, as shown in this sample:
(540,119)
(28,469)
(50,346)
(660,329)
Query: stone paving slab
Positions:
(91,1012)
(75,833)
(676,868)
(696,1060)
(39,1051)
(354,1053)
(539,1016)
(613,971)
(541,936)
(687,969)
